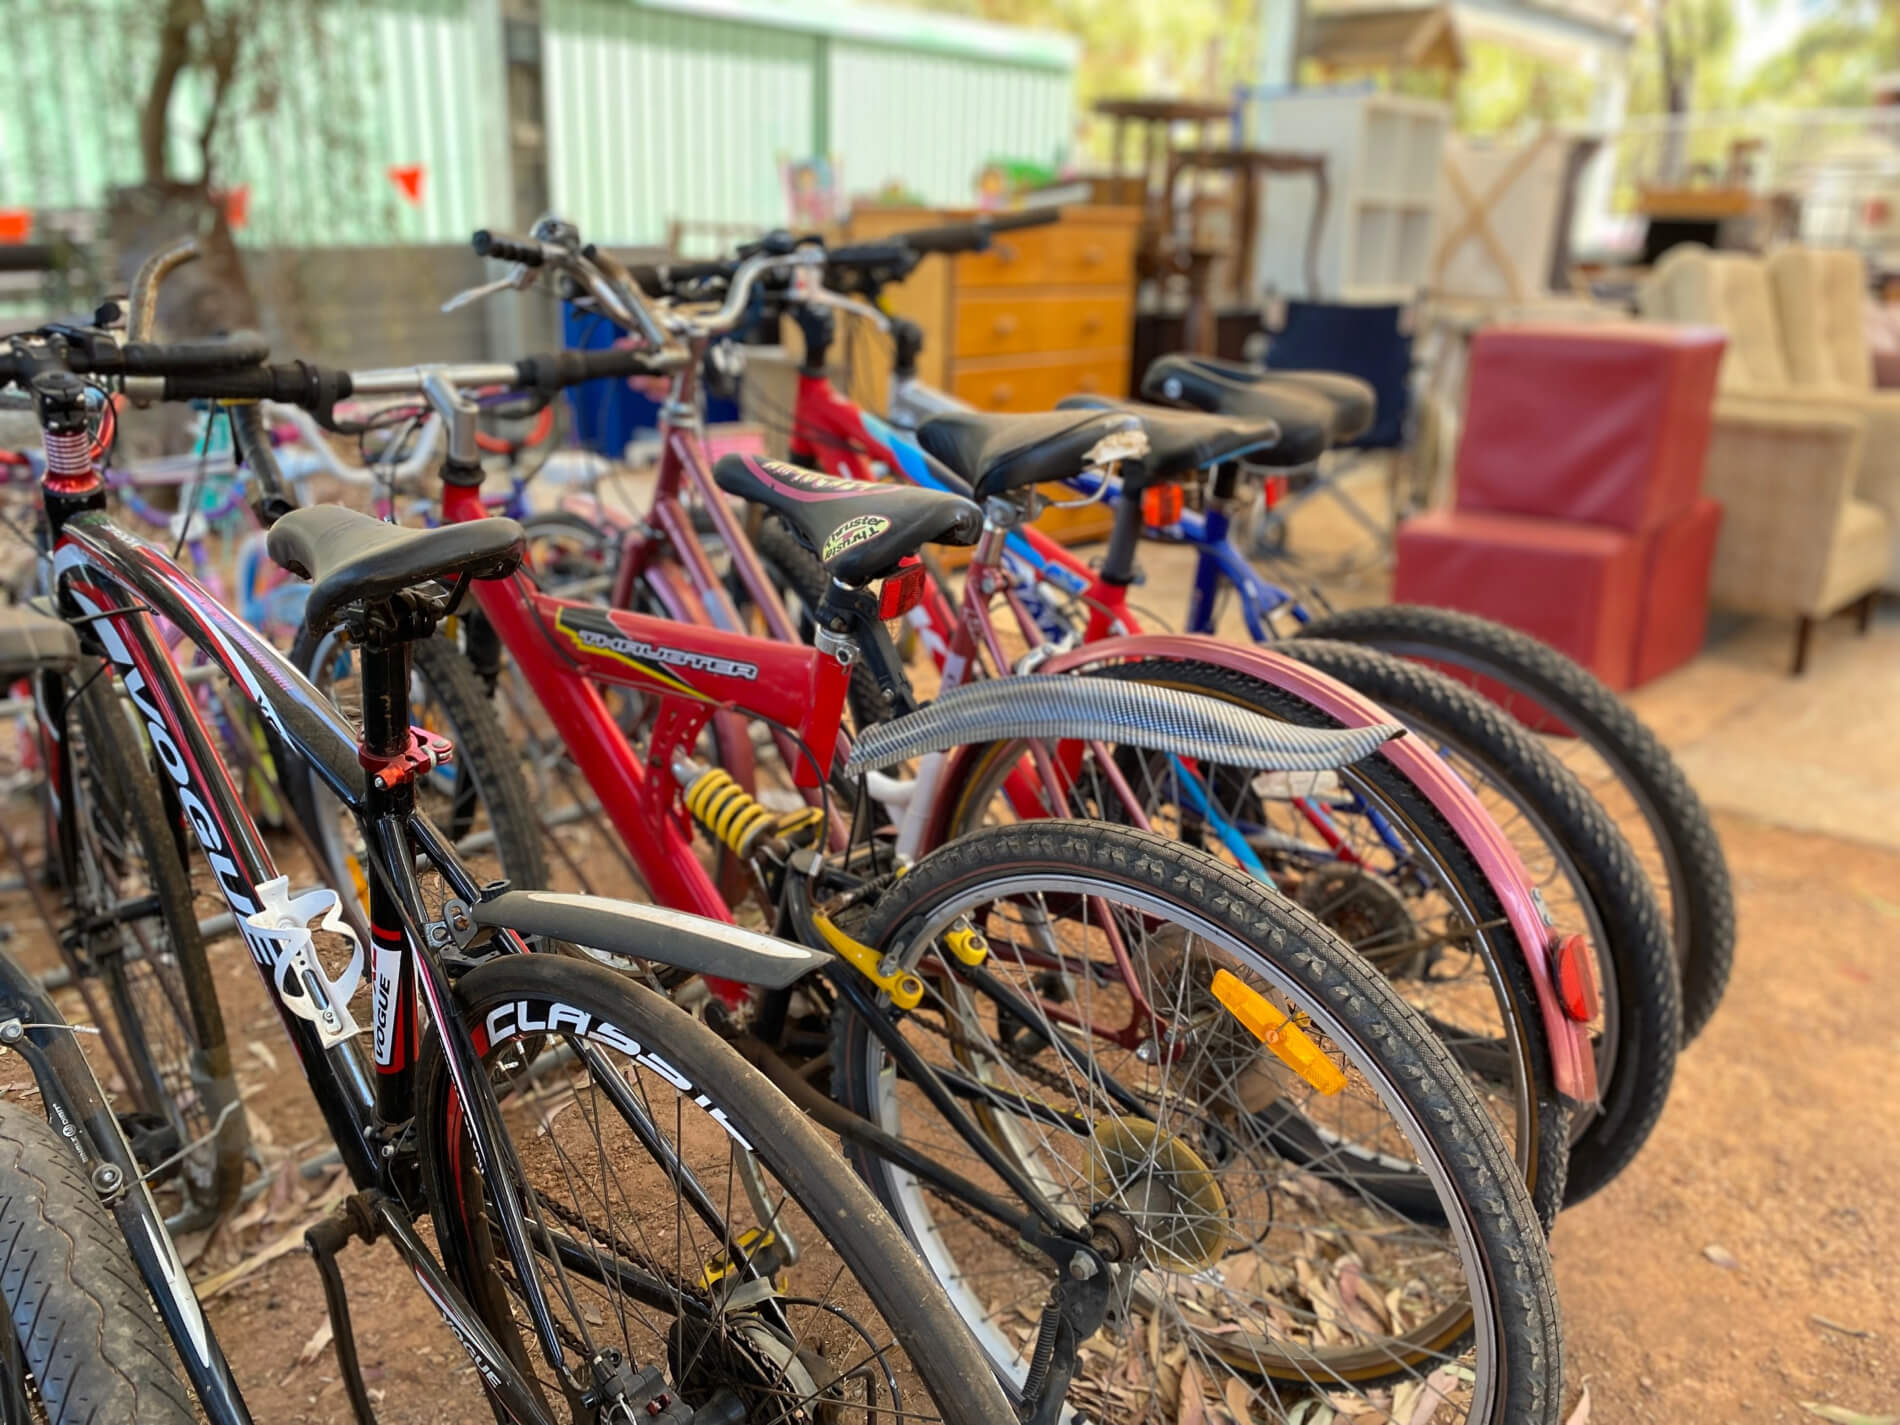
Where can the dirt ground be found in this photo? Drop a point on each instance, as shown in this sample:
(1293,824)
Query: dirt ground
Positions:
(1744,1264)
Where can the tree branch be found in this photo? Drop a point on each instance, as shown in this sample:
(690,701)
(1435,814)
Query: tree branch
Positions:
(174,55)
(223,54)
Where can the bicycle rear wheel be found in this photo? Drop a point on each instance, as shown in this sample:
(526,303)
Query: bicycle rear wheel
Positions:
(754,1268)
(1586,873)
(1594,733)
(1351,1239)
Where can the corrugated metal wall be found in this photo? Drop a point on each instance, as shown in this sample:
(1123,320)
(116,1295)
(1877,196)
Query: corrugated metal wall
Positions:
(932,121)
(352,89)
(654,116)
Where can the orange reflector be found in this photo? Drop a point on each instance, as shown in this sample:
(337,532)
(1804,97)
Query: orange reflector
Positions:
(1285,1038)
(1161,506)
(903,591)
(1576,969)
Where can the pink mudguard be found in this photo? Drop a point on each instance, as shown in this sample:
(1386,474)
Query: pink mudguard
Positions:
(1572,1062)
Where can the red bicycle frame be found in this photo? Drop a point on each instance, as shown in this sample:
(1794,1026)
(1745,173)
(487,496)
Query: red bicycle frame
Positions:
(564,648)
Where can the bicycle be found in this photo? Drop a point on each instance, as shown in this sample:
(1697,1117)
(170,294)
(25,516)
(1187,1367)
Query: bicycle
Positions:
(432,1121)
(1588,877)
(996,958)
(1484,963)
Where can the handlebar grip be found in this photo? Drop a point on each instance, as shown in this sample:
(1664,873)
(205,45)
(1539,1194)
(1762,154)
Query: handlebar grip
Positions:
(504,248)
(226,353)
(892,252)
(661,280)
(559,369)
(296,383)
(950,238)
(28,257)
(1027,218)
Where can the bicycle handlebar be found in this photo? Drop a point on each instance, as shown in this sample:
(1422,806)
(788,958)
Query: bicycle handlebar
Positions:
(975,235)
(29,257)
(504,248)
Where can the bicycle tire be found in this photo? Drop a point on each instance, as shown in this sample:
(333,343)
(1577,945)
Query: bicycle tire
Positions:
(1545,1157)
(1634,1077)
(1701,898)
(79,1320)
(166,1003)
(1350,1001)
(871,1250)
(481,749)
(600,549)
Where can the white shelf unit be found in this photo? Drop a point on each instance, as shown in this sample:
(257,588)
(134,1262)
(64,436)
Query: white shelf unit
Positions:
(1382,156)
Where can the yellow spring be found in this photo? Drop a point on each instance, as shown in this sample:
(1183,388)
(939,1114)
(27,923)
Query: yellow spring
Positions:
(726,809)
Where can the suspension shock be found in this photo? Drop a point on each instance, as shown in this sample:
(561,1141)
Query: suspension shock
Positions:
(736,819)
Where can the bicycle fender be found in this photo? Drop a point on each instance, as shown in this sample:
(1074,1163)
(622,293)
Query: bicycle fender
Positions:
(648,932)
(1071,709)
(1573,1062)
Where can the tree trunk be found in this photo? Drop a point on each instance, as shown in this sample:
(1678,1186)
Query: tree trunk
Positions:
(209,296)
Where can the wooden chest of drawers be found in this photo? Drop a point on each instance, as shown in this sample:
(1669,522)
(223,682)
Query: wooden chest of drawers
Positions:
(1045,313)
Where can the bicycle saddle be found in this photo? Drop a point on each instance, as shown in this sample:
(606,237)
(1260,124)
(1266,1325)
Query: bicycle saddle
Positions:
(859,531)
(1181,442)
(997,453)
(1315,409)
(353,558)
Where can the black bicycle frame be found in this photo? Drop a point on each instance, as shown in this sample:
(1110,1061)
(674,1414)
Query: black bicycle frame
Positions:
(110,586)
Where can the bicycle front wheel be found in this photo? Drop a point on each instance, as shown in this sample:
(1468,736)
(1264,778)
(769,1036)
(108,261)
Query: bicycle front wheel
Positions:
(1345,1235)
(685,1216)
(132,882)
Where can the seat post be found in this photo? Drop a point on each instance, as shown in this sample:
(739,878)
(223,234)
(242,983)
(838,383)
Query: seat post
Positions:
(1118,564)
(385,678)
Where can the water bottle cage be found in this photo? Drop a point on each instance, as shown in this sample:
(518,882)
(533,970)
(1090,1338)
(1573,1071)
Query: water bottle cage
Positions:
(282,928)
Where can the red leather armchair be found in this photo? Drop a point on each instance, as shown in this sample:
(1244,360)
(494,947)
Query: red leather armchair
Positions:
(1579,516)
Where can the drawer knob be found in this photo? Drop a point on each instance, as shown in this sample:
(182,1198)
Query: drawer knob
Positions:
(1004,252)
(1088,383)
(1091,324)
(1000,394)
(1004,325)
(1092,254)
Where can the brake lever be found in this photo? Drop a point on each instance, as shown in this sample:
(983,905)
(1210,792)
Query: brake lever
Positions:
(512,282)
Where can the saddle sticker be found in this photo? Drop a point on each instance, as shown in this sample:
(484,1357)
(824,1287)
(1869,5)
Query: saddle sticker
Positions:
(860,529)
(810,480)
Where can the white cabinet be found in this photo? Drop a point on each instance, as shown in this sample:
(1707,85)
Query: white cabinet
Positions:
(1382,156)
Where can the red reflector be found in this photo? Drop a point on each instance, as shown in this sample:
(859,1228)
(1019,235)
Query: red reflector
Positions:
(1576,968)
(903,591)
(1161,506)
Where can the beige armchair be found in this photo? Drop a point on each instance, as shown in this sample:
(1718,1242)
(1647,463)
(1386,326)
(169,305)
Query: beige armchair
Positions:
(1790,463)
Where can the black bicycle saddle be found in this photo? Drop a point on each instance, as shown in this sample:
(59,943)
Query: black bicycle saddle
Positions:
(1315,409)
(999,452)
(859,531)
(1181,442)
(353,558)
